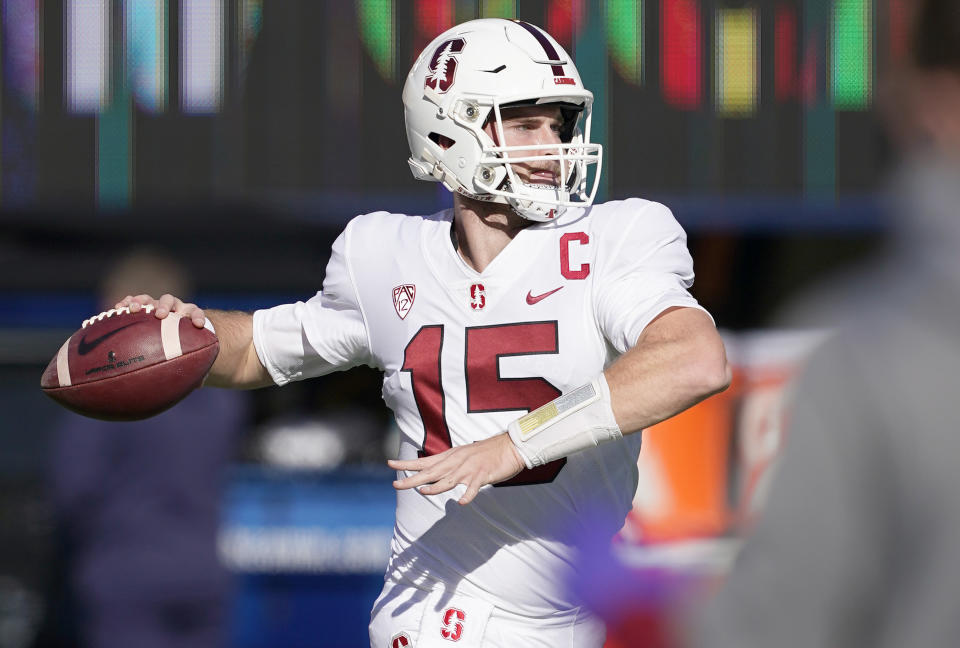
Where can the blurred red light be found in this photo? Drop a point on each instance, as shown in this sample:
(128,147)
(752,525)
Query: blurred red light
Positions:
(680,56)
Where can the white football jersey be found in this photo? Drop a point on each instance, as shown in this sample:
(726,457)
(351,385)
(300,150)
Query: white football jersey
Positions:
(464,353)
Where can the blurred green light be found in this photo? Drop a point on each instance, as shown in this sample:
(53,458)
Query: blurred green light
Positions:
(498,9)
(852,52)
(625,37)
(147,35)
(378,31)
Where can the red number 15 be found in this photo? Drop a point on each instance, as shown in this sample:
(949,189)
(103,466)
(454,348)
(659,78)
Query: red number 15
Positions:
(486,390)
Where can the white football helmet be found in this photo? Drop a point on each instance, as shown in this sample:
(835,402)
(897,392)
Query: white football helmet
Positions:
(462,81)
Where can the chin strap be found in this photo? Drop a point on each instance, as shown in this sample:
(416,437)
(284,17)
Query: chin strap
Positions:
(577,420)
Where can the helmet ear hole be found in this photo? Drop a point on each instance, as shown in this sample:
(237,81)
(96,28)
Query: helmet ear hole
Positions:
(442,141)
(570,118)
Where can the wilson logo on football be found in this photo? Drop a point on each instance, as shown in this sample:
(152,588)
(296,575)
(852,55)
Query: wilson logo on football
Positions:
(478,297)
(443,65)
(403,297)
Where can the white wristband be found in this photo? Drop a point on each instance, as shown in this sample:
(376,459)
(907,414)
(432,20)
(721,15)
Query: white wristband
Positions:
(577,420)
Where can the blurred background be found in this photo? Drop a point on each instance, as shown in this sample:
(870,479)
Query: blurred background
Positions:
(233,140)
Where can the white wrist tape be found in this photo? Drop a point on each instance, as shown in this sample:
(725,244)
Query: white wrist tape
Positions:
(573,422)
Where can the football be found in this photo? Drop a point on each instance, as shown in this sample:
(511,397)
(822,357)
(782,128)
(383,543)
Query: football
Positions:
(123,366)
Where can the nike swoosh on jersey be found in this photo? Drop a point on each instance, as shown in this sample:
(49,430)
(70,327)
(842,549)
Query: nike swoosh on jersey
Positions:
(86,347)
(533,299)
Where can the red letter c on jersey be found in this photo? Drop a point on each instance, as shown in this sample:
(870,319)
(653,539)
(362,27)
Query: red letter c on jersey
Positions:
(584,269)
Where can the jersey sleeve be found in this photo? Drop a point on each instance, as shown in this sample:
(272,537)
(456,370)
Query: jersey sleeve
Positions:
(324,334)
(645,268)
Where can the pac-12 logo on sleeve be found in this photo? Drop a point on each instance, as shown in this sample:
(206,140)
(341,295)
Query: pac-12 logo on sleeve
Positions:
(401,640)
(403,297)
(443,65)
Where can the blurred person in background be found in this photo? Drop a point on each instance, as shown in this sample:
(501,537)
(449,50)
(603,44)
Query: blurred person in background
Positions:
(521,296)
(138,508)
(859,544)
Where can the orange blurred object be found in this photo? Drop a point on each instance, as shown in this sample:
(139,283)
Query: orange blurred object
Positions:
(703,472)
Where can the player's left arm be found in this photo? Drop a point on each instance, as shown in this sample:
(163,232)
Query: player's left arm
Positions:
(678,361)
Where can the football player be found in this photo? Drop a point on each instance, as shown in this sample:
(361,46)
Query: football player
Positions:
(525,338)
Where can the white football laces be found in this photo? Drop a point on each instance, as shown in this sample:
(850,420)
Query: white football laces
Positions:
(113,311)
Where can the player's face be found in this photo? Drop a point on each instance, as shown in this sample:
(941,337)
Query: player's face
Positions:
(531,126)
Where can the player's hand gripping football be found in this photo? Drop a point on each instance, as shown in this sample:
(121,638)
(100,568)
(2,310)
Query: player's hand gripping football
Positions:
(475,465)
(165,305)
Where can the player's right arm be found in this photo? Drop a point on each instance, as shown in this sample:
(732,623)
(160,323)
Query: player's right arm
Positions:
(237,365)
(295,341)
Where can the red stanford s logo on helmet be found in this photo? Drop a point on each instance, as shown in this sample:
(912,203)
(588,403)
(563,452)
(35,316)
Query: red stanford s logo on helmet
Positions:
(443,65)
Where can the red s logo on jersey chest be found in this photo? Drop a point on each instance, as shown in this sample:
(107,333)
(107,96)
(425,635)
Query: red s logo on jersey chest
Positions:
(478,296)
(453,620)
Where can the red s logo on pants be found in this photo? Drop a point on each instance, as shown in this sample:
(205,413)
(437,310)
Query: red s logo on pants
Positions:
(452,620)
